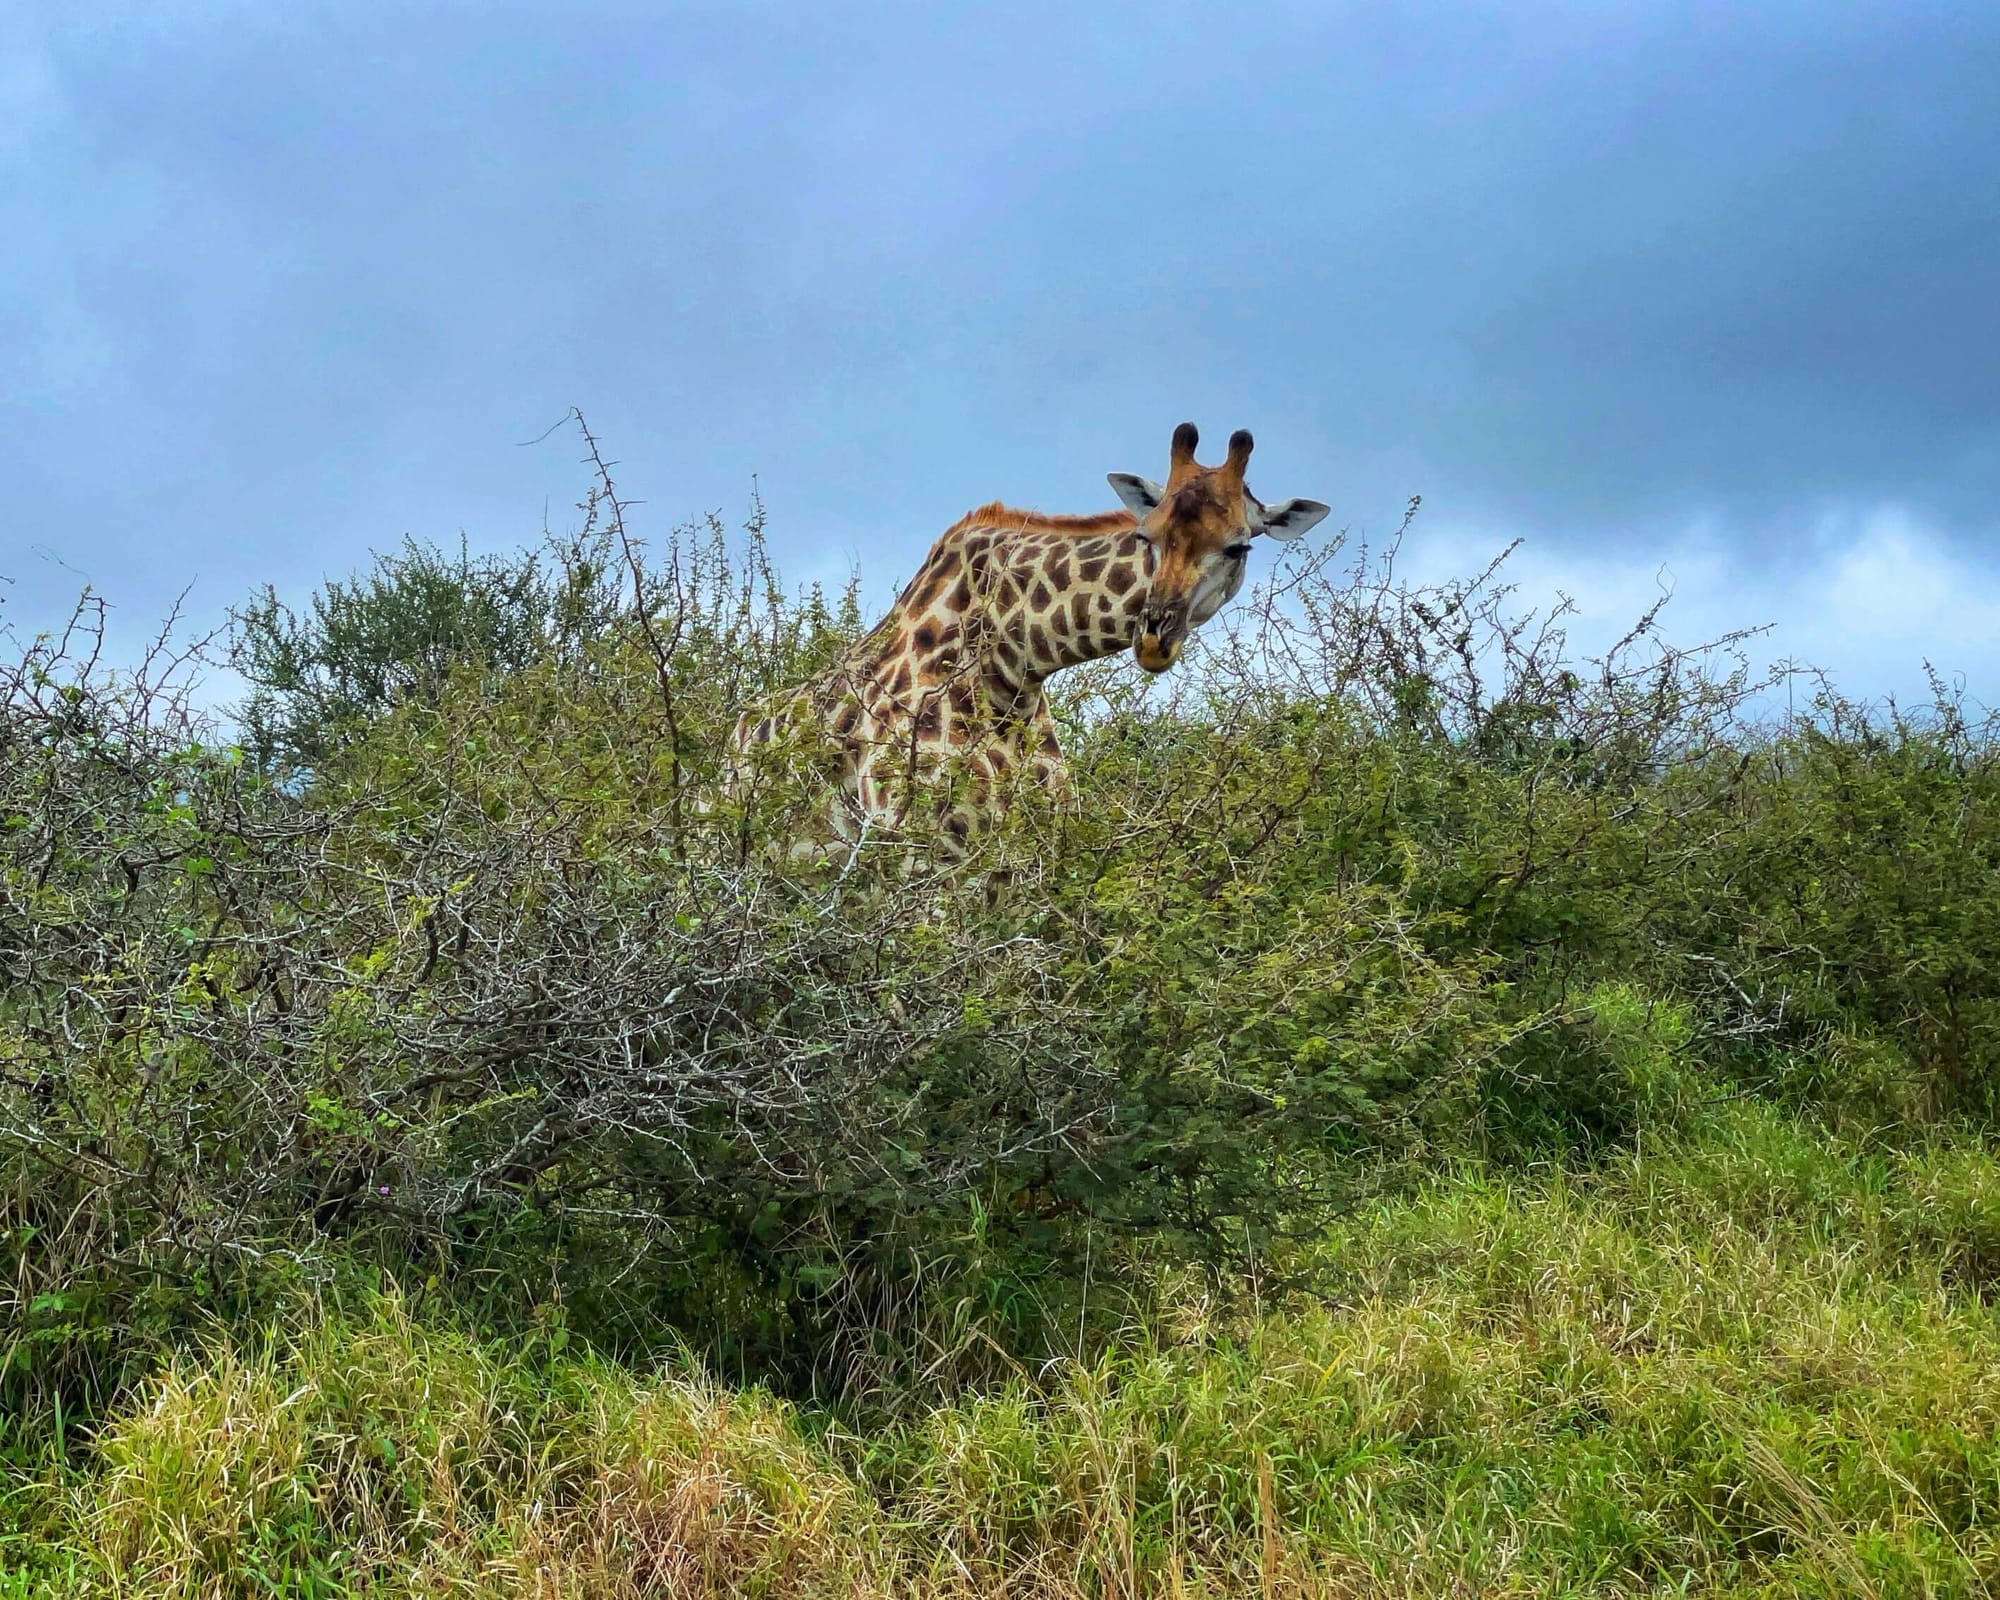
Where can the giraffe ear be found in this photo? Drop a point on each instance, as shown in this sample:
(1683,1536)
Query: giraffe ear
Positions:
(1139,494)
(1288,519)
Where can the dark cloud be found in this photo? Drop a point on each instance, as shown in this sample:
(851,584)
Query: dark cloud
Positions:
(288,282)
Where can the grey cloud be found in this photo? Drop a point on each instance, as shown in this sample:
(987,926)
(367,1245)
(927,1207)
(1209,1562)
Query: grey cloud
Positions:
(298,280)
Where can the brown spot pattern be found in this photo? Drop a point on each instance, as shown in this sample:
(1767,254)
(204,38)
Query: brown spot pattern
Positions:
(949,686)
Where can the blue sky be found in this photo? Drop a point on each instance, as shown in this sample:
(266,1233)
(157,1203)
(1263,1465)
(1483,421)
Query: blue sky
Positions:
(1707,292)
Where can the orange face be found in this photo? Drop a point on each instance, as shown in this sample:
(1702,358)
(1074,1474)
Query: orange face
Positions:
(1199,529)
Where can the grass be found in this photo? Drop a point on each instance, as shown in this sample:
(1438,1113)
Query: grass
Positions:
(1757,1361)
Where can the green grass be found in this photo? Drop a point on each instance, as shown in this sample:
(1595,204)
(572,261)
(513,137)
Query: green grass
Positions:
(1758,1361)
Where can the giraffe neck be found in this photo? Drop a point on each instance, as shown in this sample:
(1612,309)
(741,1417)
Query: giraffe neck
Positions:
(1008,598)
(1062,600)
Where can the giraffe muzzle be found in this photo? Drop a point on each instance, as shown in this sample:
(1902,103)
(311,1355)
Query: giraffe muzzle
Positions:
(1159,645)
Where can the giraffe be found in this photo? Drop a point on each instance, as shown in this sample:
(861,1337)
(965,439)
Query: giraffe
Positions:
(941,703)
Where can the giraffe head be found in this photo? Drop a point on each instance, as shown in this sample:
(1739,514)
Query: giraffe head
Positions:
(1198,530)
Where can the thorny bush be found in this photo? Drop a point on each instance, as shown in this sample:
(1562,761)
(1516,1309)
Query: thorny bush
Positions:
(492,984)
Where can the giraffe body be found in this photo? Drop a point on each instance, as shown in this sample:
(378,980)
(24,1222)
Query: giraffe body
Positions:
(940,707)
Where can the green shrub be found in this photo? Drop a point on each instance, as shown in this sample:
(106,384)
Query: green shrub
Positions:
(1862,900)
(475,968)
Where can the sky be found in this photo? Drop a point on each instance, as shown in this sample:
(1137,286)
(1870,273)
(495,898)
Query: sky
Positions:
(1696,296)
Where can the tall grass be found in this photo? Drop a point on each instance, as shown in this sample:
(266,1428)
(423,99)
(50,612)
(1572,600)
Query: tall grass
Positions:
(1756,1360)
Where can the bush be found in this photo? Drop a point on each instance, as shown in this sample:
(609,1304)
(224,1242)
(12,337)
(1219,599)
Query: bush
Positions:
(1860,897)
(397,634)
(487,974)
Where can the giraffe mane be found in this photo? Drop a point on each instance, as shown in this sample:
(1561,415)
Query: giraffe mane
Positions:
(1003,518)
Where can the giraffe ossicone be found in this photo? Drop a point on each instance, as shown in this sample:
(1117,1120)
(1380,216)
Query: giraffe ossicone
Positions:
(940,705)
